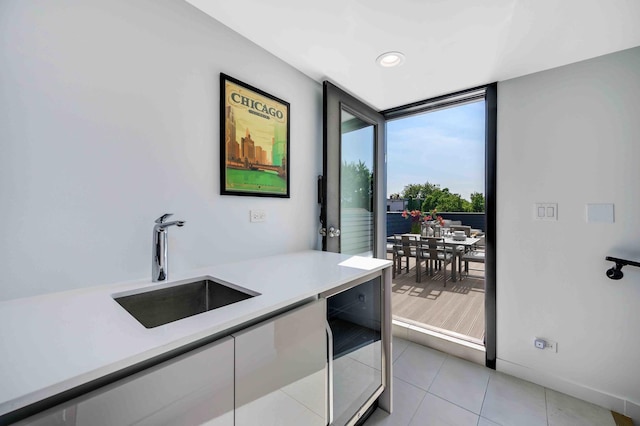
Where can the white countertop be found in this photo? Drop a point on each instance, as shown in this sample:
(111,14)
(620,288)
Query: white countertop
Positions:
(54,342)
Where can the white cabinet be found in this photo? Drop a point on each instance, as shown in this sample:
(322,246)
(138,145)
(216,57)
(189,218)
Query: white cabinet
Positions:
(281,370)
(191,389)
(273,373)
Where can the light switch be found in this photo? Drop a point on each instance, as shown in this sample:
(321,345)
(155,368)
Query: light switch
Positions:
(546,211)
(600,213)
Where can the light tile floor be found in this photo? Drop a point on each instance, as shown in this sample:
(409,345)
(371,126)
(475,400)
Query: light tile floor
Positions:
(433,388)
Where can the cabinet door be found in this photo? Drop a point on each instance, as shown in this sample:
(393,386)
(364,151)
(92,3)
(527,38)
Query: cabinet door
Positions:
(192,389)
(281,370)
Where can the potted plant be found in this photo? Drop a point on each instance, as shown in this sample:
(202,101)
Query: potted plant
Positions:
(416,220)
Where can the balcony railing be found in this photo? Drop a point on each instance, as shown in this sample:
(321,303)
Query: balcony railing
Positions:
(396,224)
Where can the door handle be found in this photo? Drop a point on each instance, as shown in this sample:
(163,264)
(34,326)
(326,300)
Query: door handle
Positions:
(333,232)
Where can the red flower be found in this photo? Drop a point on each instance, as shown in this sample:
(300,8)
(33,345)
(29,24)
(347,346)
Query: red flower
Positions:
(415,215)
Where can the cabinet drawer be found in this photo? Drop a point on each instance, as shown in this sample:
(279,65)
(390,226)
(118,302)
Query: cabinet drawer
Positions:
(191,389)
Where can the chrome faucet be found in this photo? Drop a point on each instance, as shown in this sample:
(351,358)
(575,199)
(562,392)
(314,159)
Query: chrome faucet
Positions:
(160,262)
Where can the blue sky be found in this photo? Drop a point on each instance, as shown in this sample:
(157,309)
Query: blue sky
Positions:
(444,147)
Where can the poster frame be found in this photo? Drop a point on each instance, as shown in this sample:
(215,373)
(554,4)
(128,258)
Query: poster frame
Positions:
(282,108)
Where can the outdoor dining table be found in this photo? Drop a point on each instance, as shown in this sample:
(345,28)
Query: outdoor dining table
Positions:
(467,243)
(449,241)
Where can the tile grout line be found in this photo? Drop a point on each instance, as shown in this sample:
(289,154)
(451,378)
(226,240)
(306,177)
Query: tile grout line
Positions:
(410,384)
(457,405)
(453,403)
(407,383)
(434,377)
(484,397)
(546,406)
(417,408)
(427,391)
(401,352)
(438,373)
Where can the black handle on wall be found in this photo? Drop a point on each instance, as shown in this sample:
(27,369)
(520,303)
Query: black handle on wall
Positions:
(615,273)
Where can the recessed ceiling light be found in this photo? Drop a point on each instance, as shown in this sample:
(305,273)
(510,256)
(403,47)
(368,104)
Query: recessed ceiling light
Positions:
(390,59)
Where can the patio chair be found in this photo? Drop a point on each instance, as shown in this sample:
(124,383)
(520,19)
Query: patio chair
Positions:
(474,255)
(461,249)
(391,249)
(404,247)
(433,252)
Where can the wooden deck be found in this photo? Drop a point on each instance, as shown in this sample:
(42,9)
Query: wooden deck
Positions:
(456,310)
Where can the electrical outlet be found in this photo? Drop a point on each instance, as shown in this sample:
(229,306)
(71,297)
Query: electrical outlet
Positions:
(257,215)
(542,343)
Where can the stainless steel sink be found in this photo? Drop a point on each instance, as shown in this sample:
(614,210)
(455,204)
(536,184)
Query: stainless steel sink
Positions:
(180,300)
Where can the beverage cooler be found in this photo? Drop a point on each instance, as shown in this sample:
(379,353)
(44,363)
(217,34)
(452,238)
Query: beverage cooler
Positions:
(358,349)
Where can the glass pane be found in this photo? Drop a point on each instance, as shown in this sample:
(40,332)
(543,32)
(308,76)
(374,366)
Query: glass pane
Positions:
(355,319)
(356,186)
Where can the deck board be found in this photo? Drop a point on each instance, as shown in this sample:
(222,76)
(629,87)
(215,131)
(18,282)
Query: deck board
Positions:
(457,308)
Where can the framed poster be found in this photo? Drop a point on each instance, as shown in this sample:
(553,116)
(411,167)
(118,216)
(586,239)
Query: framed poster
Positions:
(254,141)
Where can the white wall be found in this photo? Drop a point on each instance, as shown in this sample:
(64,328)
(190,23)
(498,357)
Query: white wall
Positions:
(571,135)
(109,117)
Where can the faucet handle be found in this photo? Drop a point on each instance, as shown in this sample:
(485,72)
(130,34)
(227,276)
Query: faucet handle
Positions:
(164,217)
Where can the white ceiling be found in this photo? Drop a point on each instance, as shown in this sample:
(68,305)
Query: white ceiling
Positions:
(450,45)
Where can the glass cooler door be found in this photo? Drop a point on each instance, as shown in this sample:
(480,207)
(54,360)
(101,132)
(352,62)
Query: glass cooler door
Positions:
(354,316)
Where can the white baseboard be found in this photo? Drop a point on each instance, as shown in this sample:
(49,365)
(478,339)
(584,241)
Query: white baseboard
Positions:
(447,344)
(577,390)
(632,410)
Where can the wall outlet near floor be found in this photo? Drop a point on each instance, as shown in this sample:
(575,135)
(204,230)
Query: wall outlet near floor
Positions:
(257,215)
(542,343)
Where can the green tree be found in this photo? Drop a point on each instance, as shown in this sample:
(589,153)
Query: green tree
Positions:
(445,201)
(431,201)
(477,202)
(357,186)
(418,191)
(449,202)
(429,196)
